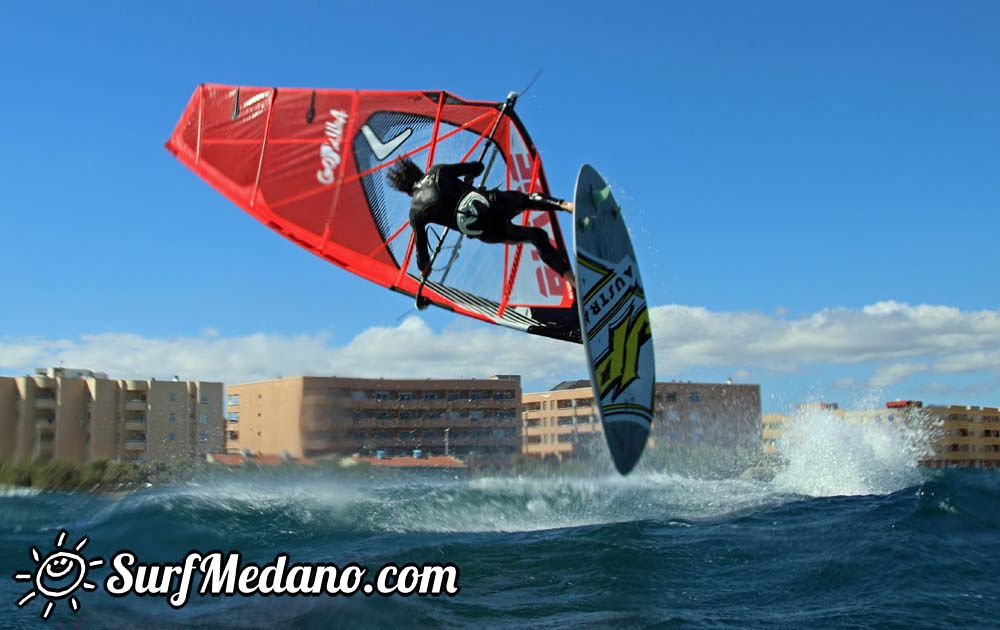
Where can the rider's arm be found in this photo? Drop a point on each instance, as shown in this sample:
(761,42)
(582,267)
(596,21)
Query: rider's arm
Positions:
(419,226)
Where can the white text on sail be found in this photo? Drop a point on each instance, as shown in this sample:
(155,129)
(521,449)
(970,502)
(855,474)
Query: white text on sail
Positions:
(329,151)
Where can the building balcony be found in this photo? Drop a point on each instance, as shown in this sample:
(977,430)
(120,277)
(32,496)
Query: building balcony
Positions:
(134,425)
(45,403)
(436,423)
(960,439)
(563,429)
(547,449)
(136,404)
(45,424)
(136,386)
(437,405)
(43,381)
(135,445)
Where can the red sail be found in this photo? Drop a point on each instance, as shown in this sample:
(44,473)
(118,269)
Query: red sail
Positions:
(310,164)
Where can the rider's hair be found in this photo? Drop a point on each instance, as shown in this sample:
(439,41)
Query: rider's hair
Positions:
(404,175)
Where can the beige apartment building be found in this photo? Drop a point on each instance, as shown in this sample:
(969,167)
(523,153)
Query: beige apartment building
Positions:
(967,436)
(80,416)
(310,416)
(562,422)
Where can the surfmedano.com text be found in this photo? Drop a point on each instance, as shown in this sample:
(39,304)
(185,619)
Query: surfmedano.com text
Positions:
(223,574)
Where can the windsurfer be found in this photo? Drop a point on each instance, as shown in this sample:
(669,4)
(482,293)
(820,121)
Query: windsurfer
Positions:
(443,197)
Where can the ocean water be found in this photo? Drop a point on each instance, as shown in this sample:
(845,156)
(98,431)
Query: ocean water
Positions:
(850,534)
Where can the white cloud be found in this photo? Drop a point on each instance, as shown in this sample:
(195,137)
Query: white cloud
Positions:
(411,349)
(974,389)
(957,340)
(897,340)
(894,373)
(975,361)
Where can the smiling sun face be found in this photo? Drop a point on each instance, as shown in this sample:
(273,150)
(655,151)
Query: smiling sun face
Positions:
(58,574)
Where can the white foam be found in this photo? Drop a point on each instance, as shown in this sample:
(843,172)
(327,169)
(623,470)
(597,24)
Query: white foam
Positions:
(829,456)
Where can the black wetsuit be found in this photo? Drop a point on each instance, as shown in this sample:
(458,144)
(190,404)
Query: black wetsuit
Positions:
(436,198)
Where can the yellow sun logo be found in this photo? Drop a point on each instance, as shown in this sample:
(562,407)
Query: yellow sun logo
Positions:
(58,575)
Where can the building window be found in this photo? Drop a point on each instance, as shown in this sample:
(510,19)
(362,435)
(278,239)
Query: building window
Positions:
(429,435)
(405,395)
(380,396)
(204,418)
(453,395)
(172,437)
(359,415)
(359,435)
(204,399)
(694,397)
(430,396)
(202,437)
(234,416)
(476,414)
(476,395)
(172,417)
(404,415)
(173,397)
(358,394)
(234,400)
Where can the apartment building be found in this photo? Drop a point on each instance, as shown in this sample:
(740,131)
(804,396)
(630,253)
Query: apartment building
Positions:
(967,436)
(309,416)
(79,416)
(562,422)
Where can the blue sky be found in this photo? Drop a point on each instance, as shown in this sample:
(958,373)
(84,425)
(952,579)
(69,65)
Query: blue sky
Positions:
(784,165)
